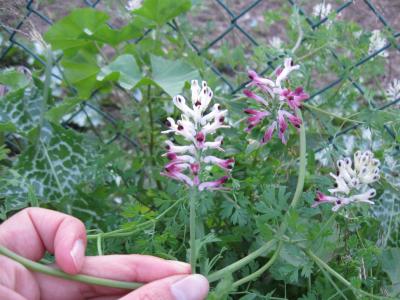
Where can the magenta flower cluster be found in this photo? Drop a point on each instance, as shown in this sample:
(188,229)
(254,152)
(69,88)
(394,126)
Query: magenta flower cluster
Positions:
(197,123)
(279,103)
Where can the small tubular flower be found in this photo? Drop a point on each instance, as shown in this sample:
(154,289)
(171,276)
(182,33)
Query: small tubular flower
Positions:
(352,181)
(186,162)
(277,102)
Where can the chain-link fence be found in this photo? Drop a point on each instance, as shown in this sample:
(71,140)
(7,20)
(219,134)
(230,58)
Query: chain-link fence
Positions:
(31,10)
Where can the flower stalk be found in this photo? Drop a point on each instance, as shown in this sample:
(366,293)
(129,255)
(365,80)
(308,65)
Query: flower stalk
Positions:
(192,224)
(189,161)
(37,267)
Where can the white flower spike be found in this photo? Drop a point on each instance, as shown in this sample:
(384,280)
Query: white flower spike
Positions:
(352,180)
(195,125)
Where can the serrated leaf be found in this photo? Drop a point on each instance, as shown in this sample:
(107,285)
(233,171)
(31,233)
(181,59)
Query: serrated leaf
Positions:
(171,75)
(293,255)
(125,69)
(161,11)
(377,118)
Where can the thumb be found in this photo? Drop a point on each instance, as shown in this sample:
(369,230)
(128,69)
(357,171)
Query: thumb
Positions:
(192,287)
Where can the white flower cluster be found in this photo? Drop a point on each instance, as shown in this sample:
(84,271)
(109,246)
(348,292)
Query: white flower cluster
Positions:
(393,90)
(194,126)
(377,42)
(352,177)
(322,10)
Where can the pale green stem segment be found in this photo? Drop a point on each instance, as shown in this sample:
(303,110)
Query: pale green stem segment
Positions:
(295,200)
(302,163)
(37,267)
(46,88)
(260,270)
(130,231)
(240,263)
(319,110)
(343,280)
(192,223)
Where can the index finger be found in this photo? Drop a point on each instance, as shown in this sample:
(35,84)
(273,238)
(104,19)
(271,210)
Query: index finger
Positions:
(32,231)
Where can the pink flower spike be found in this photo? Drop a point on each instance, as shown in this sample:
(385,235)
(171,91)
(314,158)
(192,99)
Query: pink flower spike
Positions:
(254,96)
(200,139)
(174,171)
(226,164)
(264,84)
(294,120)
(268,133)
(256,117)
(213,185)
(195,167)
(321,198)
(294,98)
(282,124)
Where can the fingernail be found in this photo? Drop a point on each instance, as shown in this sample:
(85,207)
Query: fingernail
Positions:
(78,254)
(181,267)
(193,287)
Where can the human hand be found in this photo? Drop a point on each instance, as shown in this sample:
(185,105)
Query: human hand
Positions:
(33,231)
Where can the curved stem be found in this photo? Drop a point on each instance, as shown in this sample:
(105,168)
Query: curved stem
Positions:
(129,231)
(317,109)
(343,280)
(36,267)
(302,163)
(260,270)
(240,263)
(295,200)
(192,224)
(301,33)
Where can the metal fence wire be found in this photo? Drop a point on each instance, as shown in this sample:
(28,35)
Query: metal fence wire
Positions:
(31,9)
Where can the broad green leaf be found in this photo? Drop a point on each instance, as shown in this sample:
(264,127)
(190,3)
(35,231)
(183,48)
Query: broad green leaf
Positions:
(125,70)
(13,79)
(7,127)
(83,27)
(56,113)
(171,75)
(14,189)
(162,11)
(390,264)
(52,167)
(81,71)
(20,108)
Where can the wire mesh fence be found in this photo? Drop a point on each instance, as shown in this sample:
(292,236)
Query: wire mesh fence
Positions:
(31,9)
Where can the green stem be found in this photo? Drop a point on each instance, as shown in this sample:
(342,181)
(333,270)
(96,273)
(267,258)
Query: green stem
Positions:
(295,200)
(317,109)
(240,263)
(261,270)
(302,164)
(129,231)
(192,224)
(46,88)
(328,276)
(36,267)
(343,280)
